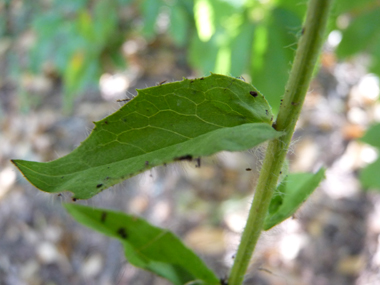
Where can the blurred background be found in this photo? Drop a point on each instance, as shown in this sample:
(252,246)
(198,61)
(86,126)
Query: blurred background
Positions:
(63,64)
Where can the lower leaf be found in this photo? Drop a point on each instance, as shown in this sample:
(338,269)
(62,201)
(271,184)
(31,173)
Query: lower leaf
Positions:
(146,246)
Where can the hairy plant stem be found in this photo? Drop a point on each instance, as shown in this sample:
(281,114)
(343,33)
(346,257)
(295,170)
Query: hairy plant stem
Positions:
(308,50)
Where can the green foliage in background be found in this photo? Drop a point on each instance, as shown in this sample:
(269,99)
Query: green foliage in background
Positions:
(359,22)
(78,38)
(82,39)
(252,37)
(361,33)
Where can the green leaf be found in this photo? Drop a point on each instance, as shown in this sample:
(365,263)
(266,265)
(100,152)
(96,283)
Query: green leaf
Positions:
(146,246)
(354,7)
(176,121)
(291,193)
(202,55)
(372,136)
(241,48)
(179,24)
(362,33)
(369,176)
(150,10)
(273,53)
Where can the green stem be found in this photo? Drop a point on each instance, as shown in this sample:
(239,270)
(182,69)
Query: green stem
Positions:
(309,47)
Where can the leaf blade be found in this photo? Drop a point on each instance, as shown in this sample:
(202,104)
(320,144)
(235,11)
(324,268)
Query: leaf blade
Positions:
(162,124)
(146,246)
(294,191)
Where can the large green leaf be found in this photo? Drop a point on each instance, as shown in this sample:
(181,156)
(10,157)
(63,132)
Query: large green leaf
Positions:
(146,246)
(177,121)
(290,195)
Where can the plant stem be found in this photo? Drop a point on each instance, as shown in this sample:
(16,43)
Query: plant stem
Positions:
(309,47)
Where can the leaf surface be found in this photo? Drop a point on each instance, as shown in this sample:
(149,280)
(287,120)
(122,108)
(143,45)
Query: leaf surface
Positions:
(361,34)
(372,136)
(290,195)
(171,122)
(369,175)
(146,246)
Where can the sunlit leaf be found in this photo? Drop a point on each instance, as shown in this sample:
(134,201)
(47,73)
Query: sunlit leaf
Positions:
(146,246)
(170,122)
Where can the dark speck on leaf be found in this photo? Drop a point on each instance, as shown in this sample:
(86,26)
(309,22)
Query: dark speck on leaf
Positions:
(103,217)
(201,78)
(248,169)
(106,122)
(99,185)
(253,93)
(74,199)
(146,163)
(266,112)
(185,157)
(122,233)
